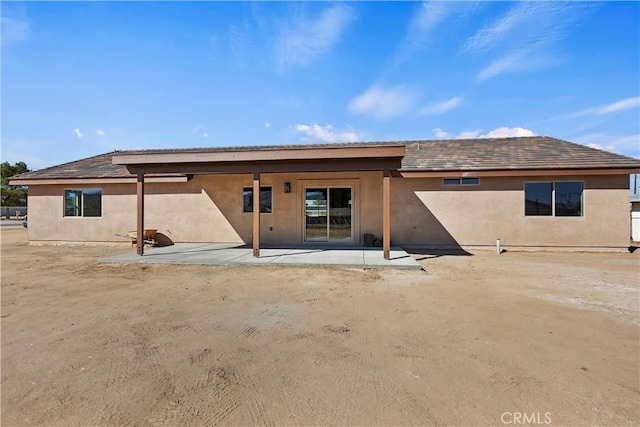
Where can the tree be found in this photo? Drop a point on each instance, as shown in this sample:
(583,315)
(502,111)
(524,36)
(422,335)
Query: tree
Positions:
(12,195)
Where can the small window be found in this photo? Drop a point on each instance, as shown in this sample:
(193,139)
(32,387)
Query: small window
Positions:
(568,198)
(265,199)
(86,202)
(460,181)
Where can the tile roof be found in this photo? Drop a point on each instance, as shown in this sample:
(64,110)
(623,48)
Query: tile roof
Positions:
(536,152)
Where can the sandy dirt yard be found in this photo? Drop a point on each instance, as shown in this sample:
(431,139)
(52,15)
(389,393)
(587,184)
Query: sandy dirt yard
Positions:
(535,338)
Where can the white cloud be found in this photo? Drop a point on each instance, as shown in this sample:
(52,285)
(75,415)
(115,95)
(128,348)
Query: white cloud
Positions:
(439,133)
(327,133)
(524,36)
(267,125)
(302,41)
(468,134)
(206,135)
(508,133)
(426,18)
(503,132)
(441,107)
(100,132)
(383,103)
(197,129)
(523,60)
(526,23)
(628,145)
(615,107)
(14,30)
(625,104)
(77,133)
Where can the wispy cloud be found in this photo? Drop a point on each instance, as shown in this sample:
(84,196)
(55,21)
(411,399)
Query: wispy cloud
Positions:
(441,107)
(523,60)
(327,133)
(383,103)
(615,107)
(502,132)
(77,133)
(523,38)
(267,125)
(628,145)
(425,19)
(100,132)
(302,41)
(240,43)
(14,30)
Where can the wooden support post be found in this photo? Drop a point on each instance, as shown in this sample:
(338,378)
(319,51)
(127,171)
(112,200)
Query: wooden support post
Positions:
(386,214)
(140,218)
(256,214)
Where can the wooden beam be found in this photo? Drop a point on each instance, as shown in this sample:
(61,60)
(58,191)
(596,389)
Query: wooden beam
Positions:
(140,215)
(256,214)
(266,154)
(386,214)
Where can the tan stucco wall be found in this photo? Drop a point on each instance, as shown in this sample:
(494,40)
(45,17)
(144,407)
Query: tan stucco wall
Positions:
(424,212)
(206,209)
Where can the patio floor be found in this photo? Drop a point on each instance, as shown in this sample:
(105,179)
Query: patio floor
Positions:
(229,254)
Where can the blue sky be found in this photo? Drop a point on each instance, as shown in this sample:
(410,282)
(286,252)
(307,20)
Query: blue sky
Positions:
(84,78)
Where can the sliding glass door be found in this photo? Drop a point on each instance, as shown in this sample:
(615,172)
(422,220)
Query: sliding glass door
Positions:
(328,215)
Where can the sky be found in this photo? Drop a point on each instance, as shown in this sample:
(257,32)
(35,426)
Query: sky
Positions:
(85,78)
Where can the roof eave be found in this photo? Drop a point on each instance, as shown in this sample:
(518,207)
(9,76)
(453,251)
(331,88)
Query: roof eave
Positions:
(426,173)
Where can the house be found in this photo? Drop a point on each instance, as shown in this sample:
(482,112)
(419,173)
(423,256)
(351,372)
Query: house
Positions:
(530,192)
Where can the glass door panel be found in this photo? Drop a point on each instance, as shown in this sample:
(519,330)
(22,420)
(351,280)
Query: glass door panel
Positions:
(315,214)
(340,214)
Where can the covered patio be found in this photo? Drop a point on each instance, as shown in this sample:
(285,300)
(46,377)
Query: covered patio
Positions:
(258,161)
(294,255)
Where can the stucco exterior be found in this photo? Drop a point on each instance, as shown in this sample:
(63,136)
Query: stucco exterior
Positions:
(424,212)
(208,208)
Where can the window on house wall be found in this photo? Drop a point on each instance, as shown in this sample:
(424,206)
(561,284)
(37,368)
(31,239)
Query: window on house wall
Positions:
(568,198)
(553,198)
(86,202)
(460,181)
(265,199)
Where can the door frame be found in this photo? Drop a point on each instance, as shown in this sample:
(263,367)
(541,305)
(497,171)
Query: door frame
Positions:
(353,184)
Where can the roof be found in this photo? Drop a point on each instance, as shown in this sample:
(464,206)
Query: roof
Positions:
(526,153)
(485,154)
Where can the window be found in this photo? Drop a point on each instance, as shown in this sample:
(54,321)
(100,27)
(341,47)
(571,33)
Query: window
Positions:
(86,202)
(461,181)
(569,198)
(537,198)
(265,199)
(566,197)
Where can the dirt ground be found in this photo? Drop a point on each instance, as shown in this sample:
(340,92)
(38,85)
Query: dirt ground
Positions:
(472,340)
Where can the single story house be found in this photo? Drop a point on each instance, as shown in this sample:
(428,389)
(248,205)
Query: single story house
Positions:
(530,192)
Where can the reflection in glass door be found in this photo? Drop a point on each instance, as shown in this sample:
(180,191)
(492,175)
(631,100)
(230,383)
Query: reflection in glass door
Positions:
(328,215)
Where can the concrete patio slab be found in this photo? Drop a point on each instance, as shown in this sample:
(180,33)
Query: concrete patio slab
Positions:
(229,254)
